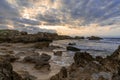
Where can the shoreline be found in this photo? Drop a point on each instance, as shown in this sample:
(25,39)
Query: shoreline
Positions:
(45,56)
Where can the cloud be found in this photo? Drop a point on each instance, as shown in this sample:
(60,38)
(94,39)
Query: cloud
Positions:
(75,14)
(69,11)
(7,11)
(91,30)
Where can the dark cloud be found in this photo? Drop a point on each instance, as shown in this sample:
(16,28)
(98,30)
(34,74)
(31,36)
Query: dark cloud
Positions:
(59,12)
(6,10)
(93,11)
(26,21)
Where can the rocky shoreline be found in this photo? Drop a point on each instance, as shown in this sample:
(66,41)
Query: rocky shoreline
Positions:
(85,67)
(26,56)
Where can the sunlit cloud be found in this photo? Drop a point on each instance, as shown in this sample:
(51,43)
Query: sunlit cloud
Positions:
(69,17)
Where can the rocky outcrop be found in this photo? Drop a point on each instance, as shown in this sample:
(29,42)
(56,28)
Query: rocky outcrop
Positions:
(14,36)
(94,38)
(71,48)
(85,67)
(82,58)
(6,71)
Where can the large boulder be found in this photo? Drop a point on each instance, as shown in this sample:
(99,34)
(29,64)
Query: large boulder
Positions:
(32,58)
(82,58)
(40,61)
(43,62)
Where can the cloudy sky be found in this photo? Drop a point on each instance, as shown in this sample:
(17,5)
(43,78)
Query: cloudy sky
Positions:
(69,17)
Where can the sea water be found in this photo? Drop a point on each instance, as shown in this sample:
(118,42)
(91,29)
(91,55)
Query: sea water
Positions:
(102,48)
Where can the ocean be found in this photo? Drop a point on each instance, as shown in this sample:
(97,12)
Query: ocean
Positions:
(102,48)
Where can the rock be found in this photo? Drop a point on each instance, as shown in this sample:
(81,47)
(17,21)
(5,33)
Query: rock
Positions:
(58,53)
(26,76)
(72,44)
(93,67)
(7,32)
(10,52)
(116,76)
(23,33)
(42,65)
(70,48)
(98,58)
(42,45)
(94,38)
(52,47)
(82,58)
(40,61)
(45,57)
(116,54)
(10,58)
(111,63)
(78,37)
(63,72)
(62,75)
(85,67)
(32,58)
(14,36)
(6,71)
(102,78)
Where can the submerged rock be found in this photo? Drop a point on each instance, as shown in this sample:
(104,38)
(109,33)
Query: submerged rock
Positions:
(72,44)
(71,48)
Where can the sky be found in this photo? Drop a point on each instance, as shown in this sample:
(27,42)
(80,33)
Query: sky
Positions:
(66,17)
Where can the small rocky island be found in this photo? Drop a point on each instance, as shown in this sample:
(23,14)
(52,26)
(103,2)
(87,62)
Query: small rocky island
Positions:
(94,38)
(25,56)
